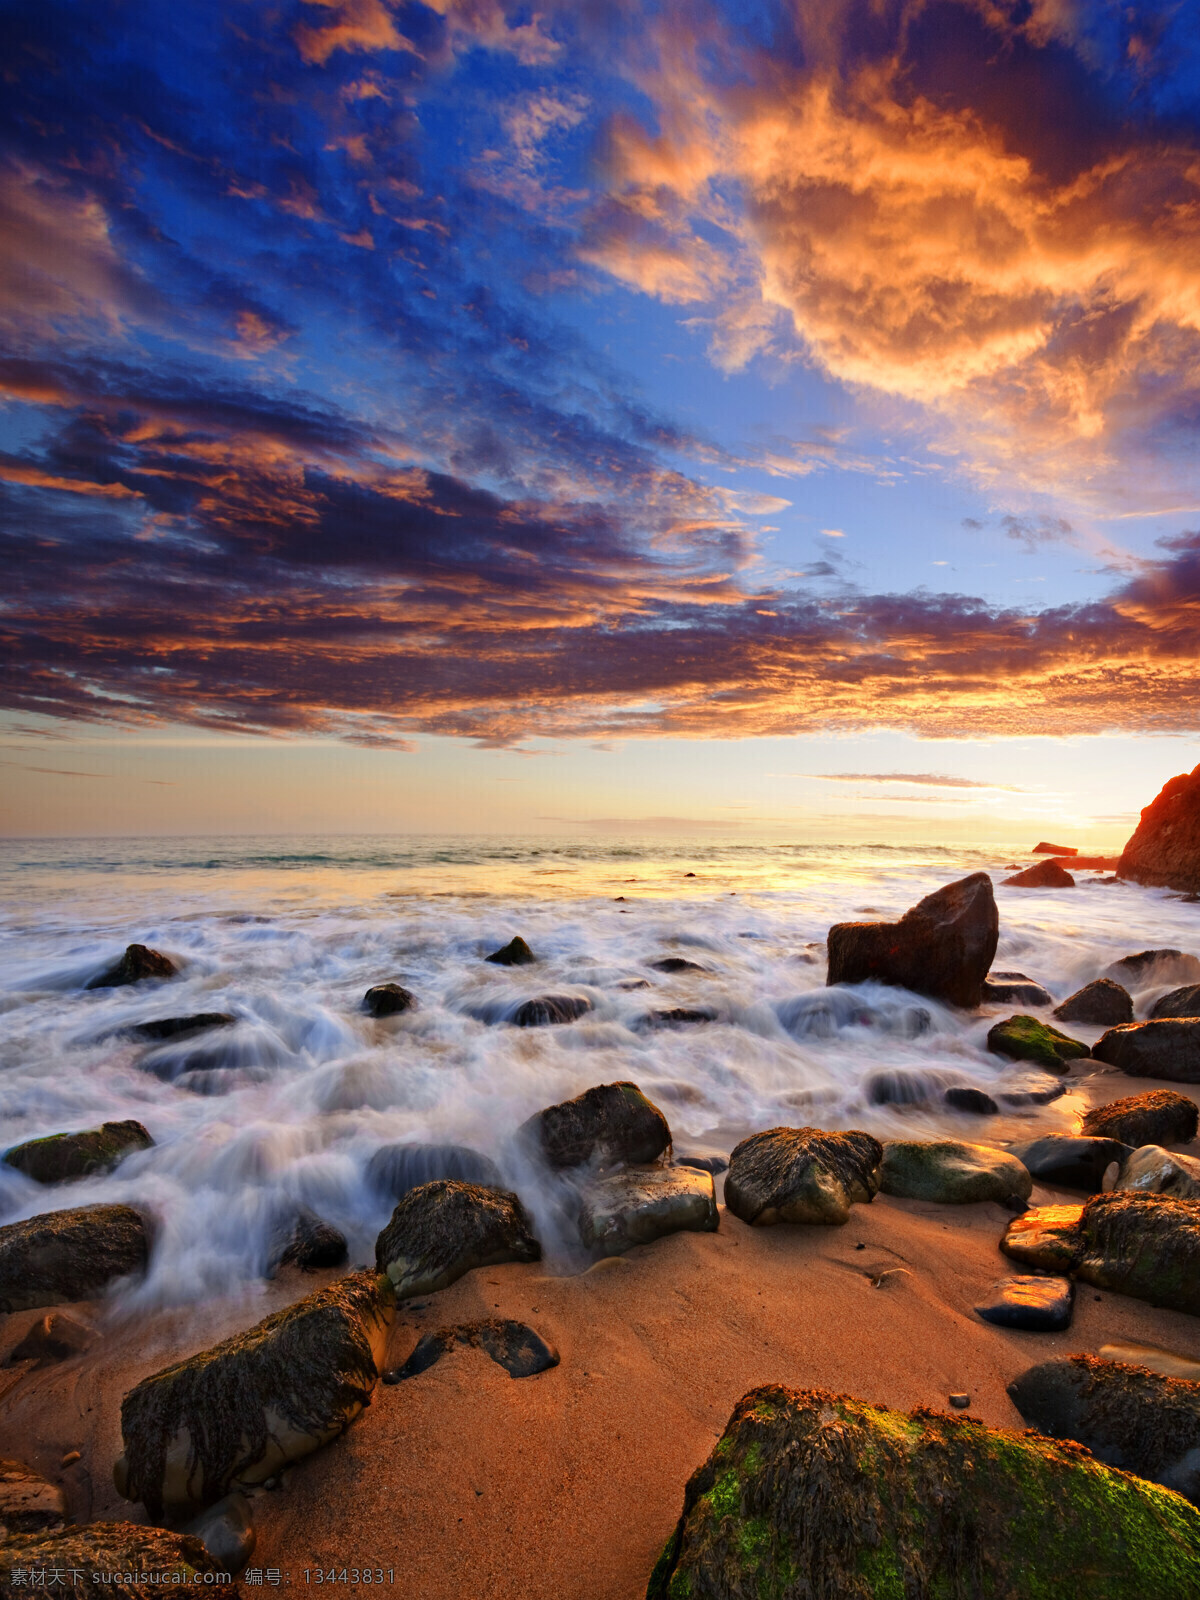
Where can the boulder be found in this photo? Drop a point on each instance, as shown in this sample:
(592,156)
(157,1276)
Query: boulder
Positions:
(1014,989)
(395,1169)
(63,1156)
(973,1101)
(63,1256)
(1160,1116)
(236,1414)
(612,1122)
(516,953)
(1045,849)
(1150,967)
(512,1345)
(1035,1304)
(1183,1002)
(549,1010)
(676,964)
(137,963)
(638,1204)
(943,946)
(1143,1245)
(1024,1038)
(53,1339)
(444,1229)
(801,1175)
(29,1503)
(226,1530)
(1167,1048)
(159,1028)
(1045,875)
(809,1494)
(952,1173)
(137,1563)
(388,1000)
(307,1242)
(1165,848)
(1152,1170)
(1101,1004)
(1070,1163)
(1127,1416)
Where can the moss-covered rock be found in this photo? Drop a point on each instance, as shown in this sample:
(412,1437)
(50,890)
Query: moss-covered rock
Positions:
(952,1173)
(1024,1038)
(1167,1048)
(63,1156)
(1101,1004)
(443,1229)
(235,1414)
(134,1562)
(62,1256)
(813,1496)
(138,962)
(802,1175)
(621,1209)
(1160,1116)
(609,1123)
(29,1503)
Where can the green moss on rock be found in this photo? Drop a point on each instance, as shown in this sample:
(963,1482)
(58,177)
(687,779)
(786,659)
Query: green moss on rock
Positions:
(1026,1039)
(60,1157)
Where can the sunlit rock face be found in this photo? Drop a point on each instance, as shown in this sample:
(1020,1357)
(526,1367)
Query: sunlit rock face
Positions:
(1165,848)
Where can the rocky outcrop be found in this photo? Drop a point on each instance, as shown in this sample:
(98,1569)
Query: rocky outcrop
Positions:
(1149,967)
(942,947)
(388,1000)
(236,1414)
(801,1175)
(640,1204)
(1070,1163)
(63,1156)
(815,1494)
(395,1169)
(952,1173)
(156,1029)
(1102,1004)
(516,953)
(512,1345)
(1035,1304)
(550,1010)
(135,1562)
(1127,1416)
(1160,1116)
(53,1339)
(1184,1002)
(29,1503)
(1153,1170)
(612,1122)
(62,1256)
(1014,989)
(137,963)
(1045,875)
(1026,1039)
(1165,848)
(1168,1048)
(444,1229)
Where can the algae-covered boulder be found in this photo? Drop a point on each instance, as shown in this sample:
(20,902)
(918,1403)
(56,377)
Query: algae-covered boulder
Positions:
(952,1173)
(1144,1245)
(63,1156)
(1152,1170)
(943,946)
(801,1175)
(237,1413)
(388,1000)
(441,1230)
(1126,1415)
(138,962)
(612,1122)
(516,953)
(1159,1116)
(1184,1002)
(1026,1039)
(814,1496)
(1070,1163)
(1043,875)
(621,1209)
(133,1562)
(61,1256)
(29,1503)
(1101,1004)
(1167,1048)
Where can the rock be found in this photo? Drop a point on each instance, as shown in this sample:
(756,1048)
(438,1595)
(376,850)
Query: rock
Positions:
(63,1256)
(801,1175)
(676,964)
(1150,967)
(1127,1416)
(809,1494)
(548,1010)
(637,1205)
(1101,1004)
(1160,1116)
(512,1345)
(612,1122)
(942,947)
(138,1563)
(906,1086)
(1167,1362)
(1024,1038)
(226,1530)
(157,1028)
(679,1016)
(137,963)
(309,1243)
(703,1163)
(390,999)
(1034,1304)
(1034,1097)
(395,1169)
(1045,875)
(1165,847)
(1152,1170)
(974,1101)
(952,1173)
(1014,989)
(1183,1002)
(1069,1163)
(29,1503)
(516,953)
(1144,1245)
(63,1156)
(55,1338)
(960,1402)
(235,1414)
(444,1229)
(1045,849)
(1167,1048)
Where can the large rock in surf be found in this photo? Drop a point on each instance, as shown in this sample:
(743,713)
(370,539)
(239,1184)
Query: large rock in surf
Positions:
(801,1175)
(444,1229)
(1160,1116)
(396,1169)
(1044,875)
(62,1256)
(639,1204)
(63,1156)
(1102,1004)
(1026,1039)
(1070,1163)
(126,1553)
(612,1122)
(237,1413)
(952,1173)
(516,953)
(1144,1245)
(1168,1048)
(1127,1416)
(29,1503)
(1149,967)
(1184,1002)
(1152,1170)
(1165,848)
(943,946)
(820,1495)
(137,963)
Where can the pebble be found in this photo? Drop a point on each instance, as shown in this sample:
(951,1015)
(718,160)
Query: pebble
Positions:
(960,1402)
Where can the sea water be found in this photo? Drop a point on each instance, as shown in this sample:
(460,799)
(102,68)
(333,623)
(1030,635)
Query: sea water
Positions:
(286,1108)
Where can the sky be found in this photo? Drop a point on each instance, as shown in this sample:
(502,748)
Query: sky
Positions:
(764,417)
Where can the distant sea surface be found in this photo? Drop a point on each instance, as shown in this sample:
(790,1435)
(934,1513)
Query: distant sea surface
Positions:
(288,1107)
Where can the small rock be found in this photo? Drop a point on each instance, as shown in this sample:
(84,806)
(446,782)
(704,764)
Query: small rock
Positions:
(952,1173)
(679,1016)
(676,964)
(801,1175)
(512,1345)
(960,1402)
(637,1205)
(62,1157)
(226,1530)
(1168,1048)
(1045,849)
(29,1503)
(63,1256)
(703,1163)
(137,963)
(1024,1038)
(611,1122)
(144,1561)
(1034,1304)
(971,1100)
(444,1229)
(1152,1170)
(1034,1097)
(1070,1163)
(309,1243)
(1183,1002)
(1149,967)
(390,999)
(395,1169)
(1160,1116)
(1014,989)
(55,1338)
(1045,875)
(1101,1004)
(942,947)
(549,1010)
(516,953)
(157,1028)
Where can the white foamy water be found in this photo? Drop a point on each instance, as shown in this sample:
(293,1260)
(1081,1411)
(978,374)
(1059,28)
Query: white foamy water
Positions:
(288,1107)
